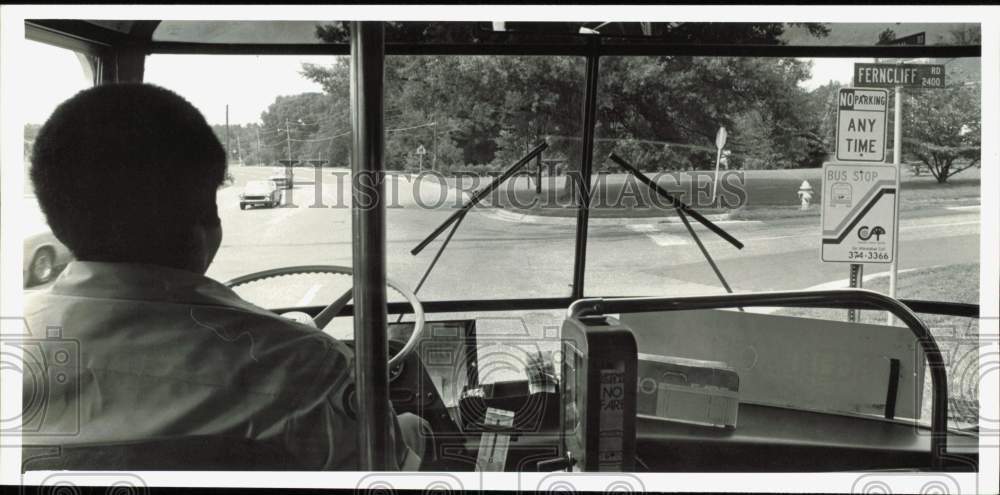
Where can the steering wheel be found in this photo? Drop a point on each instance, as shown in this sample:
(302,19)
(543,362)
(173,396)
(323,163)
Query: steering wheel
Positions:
(334,308)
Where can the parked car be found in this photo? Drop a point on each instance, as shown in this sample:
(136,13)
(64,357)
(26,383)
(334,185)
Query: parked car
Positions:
(44,257)
(282,179)
(260,193)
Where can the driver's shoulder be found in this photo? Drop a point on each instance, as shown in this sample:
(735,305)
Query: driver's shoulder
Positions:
(286,336)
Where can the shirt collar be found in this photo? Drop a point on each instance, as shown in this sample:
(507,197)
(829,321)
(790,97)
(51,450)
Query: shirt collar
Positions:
(139,281)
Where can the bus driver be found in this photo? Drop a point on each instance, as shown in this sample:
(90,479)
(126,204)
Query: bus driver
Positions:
(126,175)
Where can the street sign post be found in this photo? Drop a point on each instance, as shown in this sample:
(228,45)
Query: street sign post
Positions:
(720,142)
(421,151)
(893,75)
(861,130)
(859,213)
(898,76)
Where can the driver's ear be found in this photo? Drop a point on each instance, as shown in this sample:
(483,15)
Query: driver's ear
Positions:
(208,235)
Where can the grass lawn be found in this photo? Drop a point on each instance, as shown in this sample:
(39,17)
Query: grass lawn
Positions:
(769,194)
(956,336)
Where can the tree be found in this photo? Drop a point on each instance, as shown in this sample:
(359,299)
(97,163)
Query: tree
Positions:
(495,108)
(942,128)
(682,101)
(304,127)
(887,36)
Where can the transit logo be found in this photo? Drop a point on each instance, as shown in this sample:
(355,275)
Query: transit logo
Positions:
(864,233)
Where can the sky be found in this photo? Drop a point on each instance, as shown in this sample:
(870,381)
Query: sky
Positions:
(248,84)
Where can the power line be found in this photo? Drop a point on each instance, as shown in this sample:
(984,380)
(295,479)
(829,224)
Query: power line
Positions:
(319,140)
(412,127)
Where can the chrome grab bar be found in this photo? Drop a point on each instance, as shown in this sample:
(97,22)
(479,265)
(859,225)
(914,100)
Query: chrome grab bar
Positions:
(838,298)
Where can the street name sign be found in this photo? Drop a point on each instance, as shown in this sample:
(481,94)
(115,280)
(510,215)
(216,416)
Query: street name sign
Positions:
(859,216)
(861,128)
(892,75)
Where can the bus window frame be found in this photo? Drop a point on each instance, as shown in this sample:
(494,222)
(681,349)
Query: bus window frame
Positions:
(120,57)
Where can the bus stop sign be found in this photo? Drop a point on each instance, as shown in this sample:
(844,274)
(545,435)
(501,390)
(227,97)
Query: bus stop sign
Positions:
(861,129)
(859,213)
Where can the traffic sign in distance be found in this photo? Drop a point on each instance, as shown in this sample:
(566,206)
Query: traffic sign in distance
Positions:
(892,75)
(859,212)
(720,138)
(861,129)
(421,150)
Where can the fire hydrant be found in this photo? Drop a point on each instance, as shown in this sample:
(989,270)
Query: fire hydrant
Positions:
(805,194)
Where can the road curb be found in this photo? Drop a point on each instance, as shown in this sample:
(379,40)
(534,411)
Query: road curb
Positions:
(505,215)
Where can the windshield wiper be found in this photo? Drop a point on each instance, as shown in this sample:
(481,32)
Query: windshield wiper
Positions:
(676,203)
(682,211)
(479,195)
(456,218)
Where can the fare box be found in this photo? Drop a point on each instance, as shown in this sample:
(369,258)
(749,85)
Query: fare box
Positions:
(861,124)
(859,215)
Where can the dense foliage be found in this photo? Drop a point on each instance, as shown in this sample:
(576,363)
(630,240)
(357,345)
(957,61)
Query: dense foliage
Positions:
(476,112)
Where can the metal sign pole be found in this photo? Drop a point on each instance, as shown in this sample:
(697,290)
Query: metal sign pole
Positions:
(857,274)
(720,142)
(897,158)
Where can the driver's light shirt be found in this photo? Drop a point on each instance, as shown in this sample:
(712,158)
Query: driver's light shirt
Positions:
(166,353)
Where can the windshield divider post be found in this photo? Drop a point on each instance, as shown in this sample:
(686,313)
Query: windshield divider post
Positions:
(586,169)
(368,223)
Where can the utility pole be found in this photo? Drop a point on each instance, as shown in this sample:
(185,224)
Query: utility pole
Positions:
(434,147)
(227,134)
(288,140)
(260,155)
(239,150)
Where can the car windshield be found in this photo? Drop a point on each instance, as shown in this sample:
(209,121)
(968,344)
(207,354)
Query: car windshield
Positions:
(742,140)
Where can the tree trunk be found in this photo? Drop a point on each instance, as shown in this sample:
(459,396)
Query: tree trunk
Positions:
(941,169)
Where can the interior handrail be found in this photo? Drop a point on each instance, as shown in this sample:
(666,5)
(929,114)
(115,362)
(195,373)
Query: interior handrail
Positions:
(823,299)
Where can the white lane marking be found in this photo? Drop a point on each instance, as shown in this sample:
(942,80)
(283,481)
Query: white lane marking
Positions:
(660,238)
(964,208)
(309,295)
(641,227)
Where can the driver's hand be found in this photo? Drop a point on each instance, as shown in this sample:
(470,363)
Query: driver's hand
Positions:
(300,317)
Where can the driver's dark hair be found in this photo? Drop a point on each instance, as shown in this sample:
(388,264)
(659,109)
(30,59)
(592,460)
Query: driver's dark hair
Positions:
(123,172)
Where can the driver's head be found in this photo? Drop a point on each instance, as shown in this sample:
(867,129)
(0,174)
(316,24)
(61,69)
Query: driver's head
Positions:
(129,173)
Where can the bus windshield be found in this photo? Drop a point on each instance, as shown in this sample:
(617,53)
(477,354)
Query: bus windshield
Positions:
(741,140)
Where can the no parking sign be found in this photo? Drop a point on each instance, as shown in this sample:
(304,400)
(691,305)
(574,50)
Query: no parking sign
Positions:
(861,118)
(859,214)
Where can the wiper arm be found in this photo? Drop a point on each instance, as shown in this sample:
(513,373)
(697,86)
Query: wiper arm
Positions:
(681,208)
(479,195)
(676,203)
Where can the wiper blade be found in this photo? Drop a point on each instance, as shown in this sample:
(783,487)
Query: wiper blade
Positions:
(676,203)
(479,195)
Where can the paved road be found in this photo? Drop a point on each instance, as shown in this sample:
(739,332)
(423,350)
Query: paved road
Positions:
(492,256)
(495,256)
